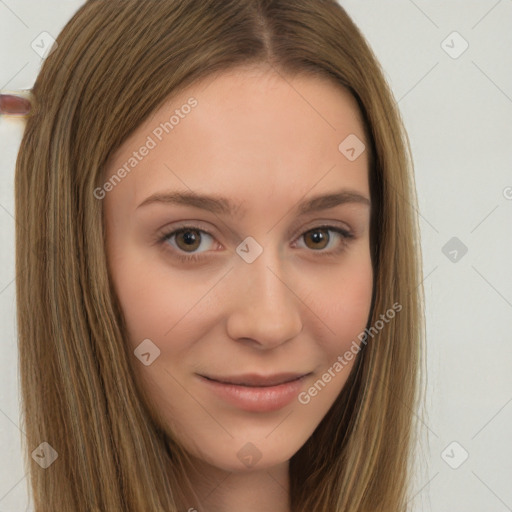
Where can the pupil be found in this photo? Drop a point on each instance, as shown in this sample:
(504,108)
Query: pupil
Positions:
(189,237)
(317,236)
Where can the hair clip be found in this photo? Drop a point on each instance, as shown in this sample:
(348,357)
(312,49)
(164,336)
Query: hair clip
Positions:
(16,103)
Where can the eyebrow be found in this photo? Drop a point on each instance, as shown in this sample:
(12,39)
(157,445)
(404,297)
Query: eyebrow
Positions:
(223,206)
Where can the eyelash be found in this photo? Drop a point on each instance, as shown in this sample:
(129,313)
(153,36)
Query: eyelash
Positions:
(163,239)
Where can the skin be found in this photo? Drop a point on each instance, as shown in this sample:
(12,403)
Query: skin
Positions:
(267,143)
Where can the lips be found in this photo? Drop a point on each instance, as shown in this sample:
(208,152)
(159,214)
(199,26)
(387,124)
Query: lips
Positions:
(254,380)
(255,393)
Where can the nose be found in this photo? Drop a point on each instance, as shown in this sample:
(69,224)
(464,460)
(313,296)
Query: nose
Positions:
(265,311)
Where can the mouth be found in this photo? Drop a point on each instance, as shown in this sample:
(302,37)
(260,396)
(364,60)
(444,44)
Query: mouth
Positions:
(256,393)
(258,381)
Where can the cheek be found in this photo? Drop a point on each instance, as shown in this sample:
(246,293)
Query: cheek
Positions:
(343,304)
(165,311)
(154,305)
(343,308)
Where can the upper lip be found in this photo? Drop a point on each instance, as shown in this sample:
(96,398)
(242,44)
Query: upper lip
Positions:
(257,380)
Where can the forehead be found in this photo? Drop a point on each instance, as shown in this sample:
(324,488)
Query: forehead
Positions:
(251,132)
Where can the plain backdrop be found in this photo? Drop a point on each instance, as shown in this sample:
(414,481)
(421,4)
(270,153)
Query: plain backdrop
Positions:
(449,64)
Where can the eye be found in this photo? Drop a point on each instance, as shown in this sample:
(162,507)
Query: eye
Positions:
(187,240)
(319,239)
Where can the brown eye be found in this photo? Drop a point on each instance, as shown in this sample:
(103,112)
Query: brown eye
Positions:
(320,239)
(317,238)
(185,243)
(188,239)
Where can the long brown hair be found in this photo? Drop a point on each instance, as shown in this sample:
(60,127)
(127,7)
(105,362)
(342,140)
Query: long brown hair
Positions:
(117,61)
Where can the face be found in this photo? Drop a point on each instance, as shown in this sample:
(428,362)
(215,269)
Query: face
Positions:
(238,309)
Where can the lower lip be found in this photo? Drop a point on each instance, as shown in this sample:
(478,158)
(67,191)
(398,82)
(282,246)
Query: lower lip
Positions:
(256,399)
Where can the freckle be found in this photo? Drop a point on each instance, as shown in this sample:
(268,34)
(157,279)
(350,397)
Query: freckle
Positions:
(14,105)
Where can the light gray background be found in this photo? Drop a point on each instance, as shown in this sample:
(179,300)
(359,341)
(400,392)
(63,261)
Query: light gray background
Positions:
(458,114)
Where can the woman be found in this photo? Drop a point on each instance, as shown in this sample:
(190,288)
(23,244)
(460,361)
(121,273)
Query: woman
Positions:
(266,370)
